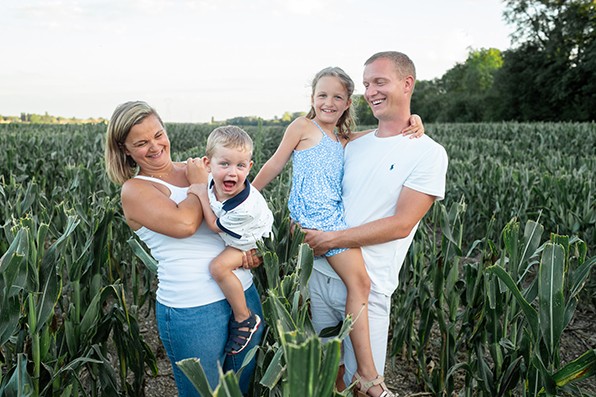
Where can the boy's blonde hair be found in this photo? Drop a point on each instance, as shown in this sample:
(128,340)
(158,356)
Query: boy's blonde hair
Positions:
(228,136)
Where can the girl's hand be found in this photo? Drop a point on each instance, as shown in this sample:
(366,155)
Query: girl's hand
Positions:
(196,171)
(415,129)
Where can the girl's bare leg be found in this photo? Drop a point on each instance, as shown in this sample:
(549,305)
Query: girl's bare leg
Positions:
(349,265)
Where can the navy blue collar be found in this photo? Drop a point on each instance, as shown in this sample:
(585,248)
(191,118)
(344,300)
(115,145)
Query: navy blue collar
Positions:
(238,199)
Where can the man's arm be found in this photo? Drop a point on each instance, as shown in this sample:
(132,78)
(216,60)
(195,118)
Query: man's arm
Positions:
(412,205)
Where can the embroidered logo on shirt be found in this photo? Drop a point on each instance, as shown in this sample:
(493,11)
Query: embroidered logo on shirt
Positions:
(391,167)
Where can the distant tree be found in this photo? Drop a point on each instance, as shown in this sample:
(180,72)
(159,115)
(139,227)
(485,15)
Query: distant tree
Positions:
(427,99)
(364,116)
(553,68)
(243,120)
(286,117)
(463,93)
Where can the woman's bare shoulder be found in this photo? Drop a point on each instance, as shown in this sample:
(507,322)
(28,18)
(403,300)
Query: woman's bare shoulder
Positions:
(139,190)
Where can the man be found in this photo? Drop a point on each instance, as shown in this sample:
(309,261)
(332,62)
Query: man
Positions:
(389,184)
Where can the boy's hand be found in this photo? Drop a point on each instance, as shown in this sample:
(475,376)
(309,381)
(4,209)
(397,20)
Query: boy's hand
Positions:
(196,171)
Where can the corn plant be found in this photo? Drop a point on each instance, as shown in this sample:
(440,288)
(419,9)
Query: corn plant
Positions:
(78,335)
(53,302)
(295,361)
(561,274)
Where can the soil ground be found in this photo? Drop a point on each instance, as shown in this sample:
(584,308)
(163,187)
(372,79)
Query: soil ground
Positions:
(400,377)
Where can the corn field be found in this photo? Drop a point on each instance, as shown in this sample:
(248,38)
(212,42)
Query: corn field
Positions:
(494,277)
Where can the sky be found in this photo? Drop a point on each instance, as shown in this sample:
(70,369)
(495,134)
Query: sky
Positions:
(194,60)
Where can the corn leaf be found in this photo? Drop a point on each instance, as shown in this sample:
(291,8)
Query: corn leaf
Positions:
(191,367)
(143,255)
(550,294)
(581,368)
(529,311)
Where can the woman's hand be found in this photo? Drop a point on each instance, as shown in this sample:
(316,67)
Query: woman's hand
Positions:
(251,259)
(415,129)
(196,172)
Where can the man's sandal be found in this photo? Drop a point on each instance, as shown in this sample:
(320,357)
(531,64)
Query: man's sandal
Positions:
(241,333)
(362,386)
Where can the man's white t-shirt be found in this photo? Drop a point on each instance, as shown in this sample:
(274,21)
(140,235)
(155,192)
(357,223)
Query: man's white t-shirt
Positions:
(376,170)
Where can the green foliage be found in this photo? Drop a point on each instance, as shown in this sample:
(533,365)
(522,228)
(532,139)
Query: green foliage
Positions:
(364,115)
(550,75)
(463,93)
(73,276)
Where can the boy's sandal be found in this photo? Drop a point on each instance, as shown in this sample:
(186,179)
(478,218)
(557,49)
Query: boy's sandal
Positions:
(239,338)
(363,386)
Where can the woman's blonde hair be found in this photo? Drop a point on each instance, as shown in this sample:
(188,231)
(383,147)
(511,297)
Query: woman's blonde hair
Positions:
(120,167)
(347,121)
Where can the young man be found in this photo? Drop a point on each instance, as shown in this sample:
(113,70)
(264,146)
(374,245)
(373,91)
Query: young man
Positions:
(389,184)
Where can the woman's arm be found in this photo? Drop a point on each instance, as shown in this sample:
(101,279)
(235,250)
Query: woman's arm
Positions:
(148,204)
(200,190)
(274,166)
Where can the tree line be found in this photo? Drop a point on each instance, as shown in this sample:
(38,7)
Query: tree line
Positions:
(549,74)
(33,118)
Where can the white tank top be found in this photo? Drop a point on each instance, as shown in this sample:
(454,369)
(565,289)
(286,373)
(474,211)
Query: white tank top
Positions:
(183,263)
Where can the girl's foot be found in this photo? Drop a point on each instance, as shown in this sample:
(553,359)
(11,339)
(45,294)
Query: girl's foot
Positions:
(371,388)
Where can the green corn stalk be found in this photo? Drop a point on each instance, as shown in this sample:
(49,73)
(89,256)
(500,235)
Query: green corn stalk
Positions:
(546,324)
(311,365)
(143,255)
(446,295)
(551,300)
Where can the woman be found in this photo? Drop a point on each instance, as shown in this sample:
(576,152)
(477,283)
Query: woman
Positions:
(192,312)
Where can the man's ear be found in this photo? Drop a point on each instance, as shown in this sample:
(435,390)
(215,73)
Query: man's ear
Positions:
(409,84)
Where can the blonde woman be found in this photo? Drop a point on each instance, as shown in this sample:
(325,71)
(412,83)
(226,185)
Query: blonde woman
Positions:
(193,315)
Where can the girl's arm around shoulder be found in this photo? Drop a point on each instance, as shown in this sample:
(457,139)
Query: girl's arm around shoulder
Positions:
(292,137)
(359,134)
(415,129)
(148,204)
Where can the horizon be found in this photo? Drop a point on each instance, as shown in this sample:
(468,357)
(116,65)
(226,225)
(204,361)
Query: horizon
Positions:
(199,59)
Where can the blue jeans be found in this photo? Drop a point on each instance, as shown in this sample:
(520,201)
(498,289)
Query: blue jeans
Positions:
(202,332)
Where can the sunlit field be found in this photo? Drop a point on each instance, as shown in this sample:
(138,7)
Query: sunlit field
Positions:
(497,272)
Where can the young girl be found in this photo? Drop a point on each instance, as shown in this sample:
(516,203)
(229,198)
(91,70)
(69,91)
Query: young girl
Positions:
(315,200)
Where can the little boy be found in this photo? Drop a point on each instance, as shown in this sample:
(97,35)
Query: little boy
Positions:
(239,213)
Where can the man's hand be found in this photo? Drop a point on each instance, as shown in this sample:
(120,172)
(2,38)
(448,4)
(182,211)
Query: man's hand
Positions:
(319,241)
(251,259)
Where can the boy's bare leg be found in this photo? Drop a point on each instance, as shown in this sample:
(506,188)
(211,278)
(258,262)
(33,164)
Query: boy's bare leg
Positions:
(222,271)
